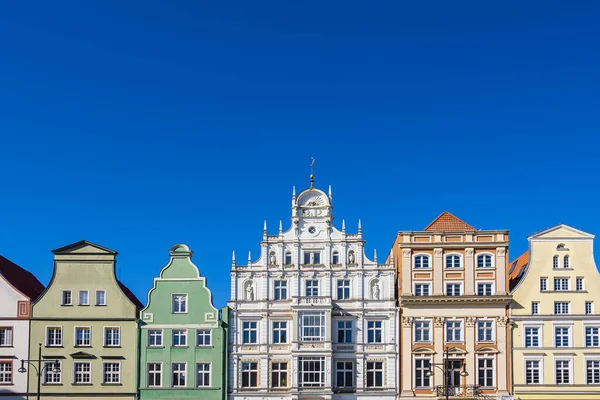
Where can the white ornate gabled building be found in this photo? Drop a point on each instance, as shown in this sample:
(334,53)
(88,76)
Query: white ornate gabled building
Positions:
(313,317)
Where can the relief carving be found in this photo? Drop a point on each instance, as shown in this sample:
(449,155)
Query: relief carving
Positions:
(406,253)
(407,321)
(502,321)
(470,321)
(469,252)
(500,252)
(437,252)
(438,321)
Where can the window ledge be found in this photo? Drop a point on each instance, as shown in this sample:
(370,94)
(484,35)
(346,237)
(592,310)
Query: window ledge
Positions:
(112,347)
(7,384)
(83,384)
(112,384)
(155,347)
(180,347)
(203,346)
(52,384)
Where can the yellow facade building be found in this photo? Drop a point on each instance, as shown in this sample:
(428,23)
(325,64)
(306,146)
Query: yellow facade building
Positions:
(556,326)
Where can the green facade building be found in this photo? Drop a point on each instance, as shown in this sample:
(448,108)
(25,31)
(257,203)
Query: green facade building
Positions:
(183,341)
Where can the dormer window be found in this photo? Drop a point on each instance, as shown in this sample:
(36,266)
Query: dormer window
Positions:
(288,258)
(566,263)
(422,261)
(312,257)
(335,258)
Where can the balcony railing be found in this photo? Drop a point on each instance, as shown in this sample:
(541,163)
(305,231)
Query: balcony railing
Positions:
(458,391)
(306,300)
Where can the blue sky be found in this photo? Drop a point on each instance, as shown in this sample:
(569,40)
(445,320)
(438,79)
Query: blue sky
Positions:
(138,125)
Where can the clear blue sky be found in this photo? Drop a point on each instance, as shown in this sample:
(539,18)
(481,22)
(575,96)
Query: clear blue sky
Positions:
(138,125)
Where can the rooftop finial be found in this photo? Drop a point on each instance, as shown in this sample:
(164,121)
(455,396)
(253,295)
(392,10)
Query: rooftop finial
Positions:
(312,175)
(280,226)
(233,258)
(293,192)
(265,226)
(359,227)
(329,192)
(249,258)
(375,255)
(343,225)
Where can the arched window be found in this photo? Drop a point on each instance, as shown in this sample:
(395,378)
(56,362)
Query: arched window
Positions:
(453,261)
(484,261)
(560,246)
(566,262)
(288,258)
(335,258)
(555,262)
(422,261)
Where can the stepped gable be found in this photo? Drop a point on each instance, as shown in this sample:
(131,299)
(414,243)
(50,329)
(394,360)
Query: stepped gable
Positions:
(448,222)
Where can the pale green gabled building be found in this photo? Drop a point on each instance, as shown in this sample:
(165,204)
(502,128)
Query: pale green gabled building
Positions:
(88,321)
(183,340)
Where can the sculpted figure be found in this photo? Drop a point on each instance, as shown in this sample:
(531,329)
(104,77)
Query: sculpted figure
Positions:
(376,291)
(249,292)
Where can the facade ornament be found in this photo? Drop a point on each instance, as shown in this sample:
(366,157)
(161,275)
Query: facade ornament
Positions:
(470,321)
(502,321)
(438,321)
(249,291)
(272,259)
(500,252)
(351,258)
(406,253)
(407,321)
(469,252)
(437,252)
(376,291)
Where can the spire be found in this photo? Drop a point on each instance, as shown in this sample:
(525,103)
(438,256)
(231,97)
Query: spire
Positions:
(280,227)
(359,227)
(233,258)
(330,198)
(265,226)
(343,225)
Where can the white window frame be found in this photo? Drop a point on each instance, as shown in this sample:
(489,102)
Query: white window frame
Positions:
(48,344)
(569,335)
(96,297)
(543,284)
(280,372)
(318,330)
(375,326)
(176,307)
(567,261)
(535,308)
(276,332)
(184,371)
(7,375)
(426,256)
(492,329)
(118,373)
(280,288)
(334,255)
(8,337)
(345,329)
(492,260)
(460,329)
(540,360)
(589,307)
(185,336)
(460,261)
(82,373)
(89,329)
(579,281)
(569,359)
(454,285)
(596,335)
(87,293)
(416,329)
(106,329)
(159,373)
(201,333)
(249,371)
(311,257)
(423,286)
(249,326)
(345,287)
(555,262)
(424,371)
(493,370)
(344,370)
(561,284)
(203,373)
(562,303)
(320,373)
(285,258)
(373,370)
(62,298)
(540,330)
(492,288)
(586,360)
(48,368)
(309,292)
(161,335)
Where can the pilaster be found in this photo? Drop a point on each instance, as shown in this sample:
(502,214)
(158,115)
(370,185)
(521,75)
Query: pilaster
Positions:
(438,271)
(406,272)
(406,357)
(469,271)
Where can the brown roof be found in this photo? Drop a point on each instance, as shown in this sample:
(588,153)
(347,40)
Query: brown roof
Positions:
(448,222)
(21,279)
(130,295)
(517,269)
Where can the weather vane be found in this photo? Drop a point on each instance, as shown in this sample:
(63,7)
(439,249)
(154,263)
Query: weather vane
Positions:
(312,175)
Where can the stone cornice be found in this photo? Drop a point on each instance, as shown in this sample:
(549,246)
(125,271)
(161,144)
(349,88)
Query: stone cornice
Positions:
(453,245)
(417,300)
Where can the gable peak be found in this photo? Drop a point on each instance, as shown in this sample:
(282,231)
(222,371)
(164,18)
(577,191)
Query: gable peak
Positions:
(84,247)
(448,222)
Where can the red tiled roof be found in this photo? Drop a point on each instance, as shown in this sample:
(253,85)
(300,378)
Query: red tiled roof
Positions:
(23,280)
(448,222)
(517,269)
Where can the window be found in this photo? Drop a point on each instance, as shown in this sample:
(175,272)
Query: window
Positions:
(561,307)
(83,336)
(532,372)
(543,284)
(6,337)
(422,289)
(555,262)
(112,336)
(592,368)
(535,308)
(343,289)
(100,298)
(453,331)
(561,336)
(67,300)
(203,337)
(155,337)
(344,331)
(6,371)
(453,289)
(484,289)
(485,372)
(49,375)
(422,366)
(178,375)
(561,284)
(84,298)
(421,261)
(111,372)
(179,302)
(579,284)
(312,371)
(179,337)
(288,258)
(532,337)
(592,336)
(312,288)
(453,261)
(566,262)
(374,332)
(374,374)
(249,330)
(312,326)
(279,332)
(54,336)
(249,374)
(279,375)
(589,307)
(484,261)
(344,374)
(154,375)
(312,257)
(422,330)
(335,258)
(203,374)
(562,371)
(280,290)
(485,331)
(83,372)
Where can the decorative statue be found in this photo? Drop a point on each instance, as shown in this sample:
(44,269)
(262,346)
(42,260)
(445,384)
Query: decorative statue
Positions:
(376,291)
(273,259)
(351,259)
(249,292)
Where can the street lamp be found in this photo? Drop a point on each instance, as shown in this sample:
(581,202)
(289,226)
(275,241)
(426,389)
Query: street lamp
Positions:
(445,370)
(39,370)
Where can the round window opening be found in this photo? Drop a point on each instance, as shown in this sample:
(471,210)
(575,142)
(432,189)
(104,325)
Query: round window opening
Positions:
(312,229)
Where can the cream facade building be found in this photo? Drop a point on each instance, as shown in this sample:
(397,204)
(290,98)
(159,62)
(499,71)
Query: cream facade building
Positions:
(556,345)
(313,316)
(453,296)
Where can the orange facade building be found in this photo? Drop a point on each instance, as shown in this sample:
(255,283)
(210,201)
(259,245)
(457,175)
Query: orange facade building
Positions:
(453,294)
